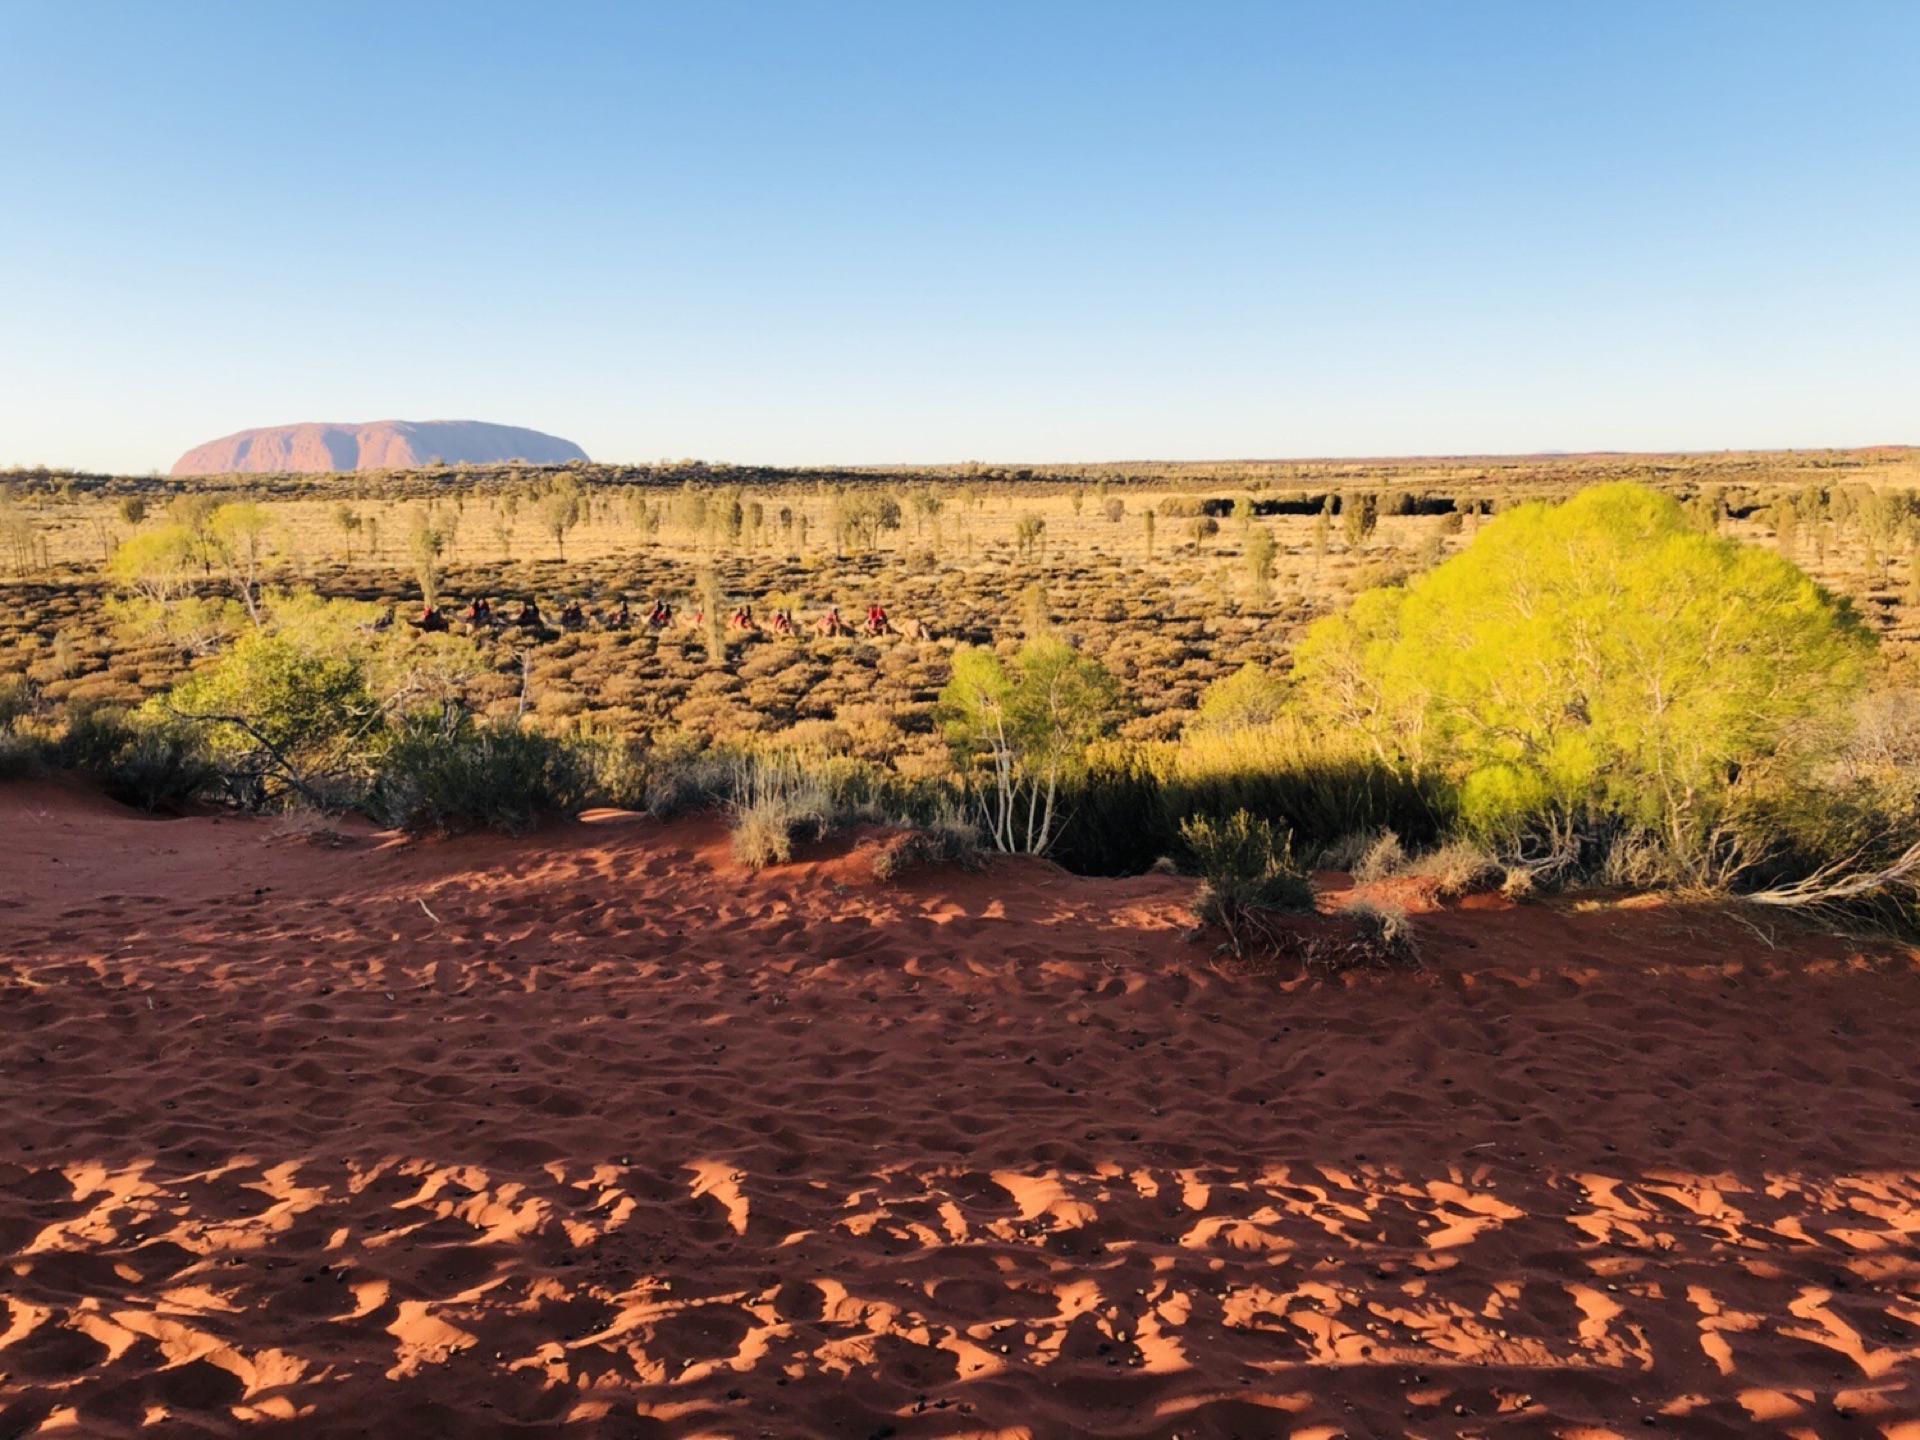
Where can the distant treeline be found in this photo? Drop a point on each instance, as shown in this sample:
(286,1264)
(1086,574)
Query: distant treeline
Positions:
(1738,483)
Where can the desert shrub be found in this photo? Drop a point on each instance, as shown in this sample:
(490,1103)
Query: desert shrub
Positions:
(950,839)
(16,700)
(682,779)
(616,768)
(445,771)
(21,753)
(270,690)
(1320,784)
(1384,934)
(1116,819)
(139,759)
(1518,882)
(1456,868)
(1347,851)
(777,803)
(281,720)
(1384,857)
(1252,695)
(1592,661)
(1248,870)
(1369,936)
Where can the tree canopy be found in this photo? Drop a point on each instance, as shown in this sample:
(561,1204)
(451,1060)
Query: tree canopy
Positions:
(1602,655)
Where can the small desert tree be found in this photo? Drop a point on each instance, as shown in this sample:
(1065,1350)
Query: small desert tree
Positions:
(242,538)
(275,713)
(1030,537)
(426,543)
(1021,732)
(347,521)
(560,512)
(158,564)
(1260,552)
(1359,515)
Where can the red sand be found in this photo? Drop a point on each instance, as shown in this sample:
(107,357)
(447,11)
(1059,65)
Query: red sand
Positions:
(590,1133)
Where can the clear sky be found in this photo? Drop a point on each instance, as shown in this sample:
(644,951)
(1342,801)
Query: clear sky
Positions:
(945,231)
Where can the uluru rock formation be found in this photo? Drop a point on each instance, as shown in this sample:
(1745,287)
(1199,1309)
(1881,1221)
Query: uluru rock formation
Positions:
(378,445)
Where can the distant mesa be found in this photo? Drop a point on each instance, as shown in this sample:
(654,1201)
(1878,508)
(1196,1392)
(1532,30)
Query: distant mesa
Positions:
(381,445)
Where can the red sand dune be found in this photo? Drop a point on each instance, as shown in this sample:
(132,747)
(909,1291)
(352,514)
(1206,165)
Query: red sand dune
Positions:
(323,1133)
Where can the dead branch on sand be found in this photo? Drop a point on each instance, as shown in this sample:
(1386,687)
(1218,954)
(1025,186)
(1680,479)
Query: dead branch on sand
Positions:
(1839,882)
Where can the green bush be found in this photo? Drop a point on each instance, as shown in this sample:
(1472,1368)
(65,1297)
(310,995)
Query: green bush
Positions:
(1595,662)
(1251,696)
(139,759)
(1248,868)
(446,772)
(297,699)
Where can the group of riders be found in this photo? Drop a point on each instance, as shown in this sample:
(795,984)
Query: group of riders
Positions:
(480,615)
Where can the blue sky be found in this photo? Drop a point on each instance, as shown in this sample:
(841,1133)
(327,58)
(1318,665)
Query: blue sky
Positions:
(947,231)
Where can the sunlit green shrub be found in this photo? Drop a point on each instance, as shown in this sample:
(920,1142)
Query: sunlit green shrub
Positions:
(1599,658)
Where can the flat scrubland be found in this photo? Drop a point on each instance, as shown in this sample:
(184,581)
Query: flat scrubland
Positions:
(1167,609)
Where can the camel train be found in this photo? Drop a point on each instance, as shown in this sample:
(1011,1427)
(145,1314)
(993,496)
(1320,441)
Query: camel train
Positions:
(479,615)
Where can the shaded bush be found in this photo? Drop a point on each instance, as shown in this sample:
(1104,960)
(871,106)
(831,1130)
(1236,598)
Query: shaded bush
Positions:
(684,780)
(446,772)
(1248,869)
(143,760)
(947,840)
(1383,935)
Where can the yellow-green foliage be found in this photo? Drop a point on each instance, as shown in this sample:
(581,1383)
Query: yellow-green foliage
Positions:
(1599,655)
(1250,696)
(1022,731)
(160,564)
(270,688)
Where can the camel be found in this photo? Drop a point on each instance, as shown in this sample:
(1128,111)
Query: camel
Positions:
(831,623)
(876,622)
(572,617)
(661,616)
(432,620)
(916,630)
(742,622)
